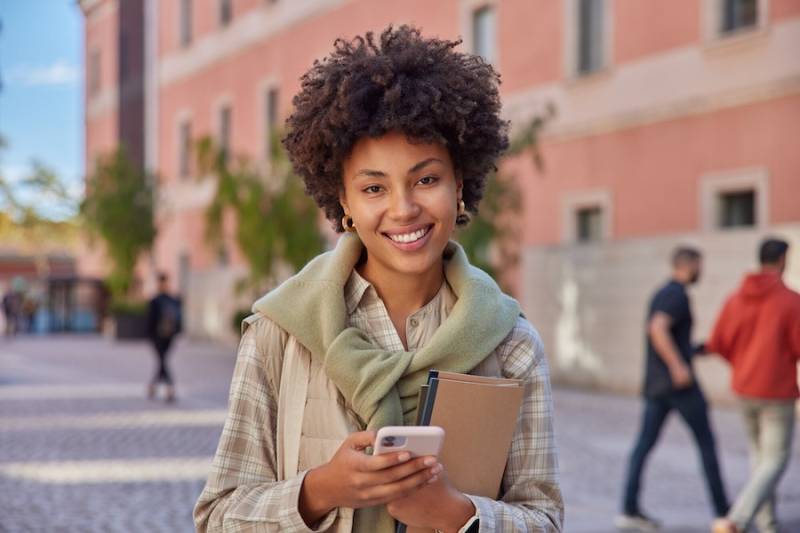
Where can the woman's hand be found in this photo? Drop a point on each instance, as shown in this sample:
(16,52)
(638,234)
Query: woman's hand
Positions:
(354,479)
(438,505)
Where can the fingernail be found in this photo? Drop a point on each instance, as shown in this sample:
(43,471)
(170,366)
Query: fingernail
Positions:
(434,479)
(429,461)
(436,469)
(403,457)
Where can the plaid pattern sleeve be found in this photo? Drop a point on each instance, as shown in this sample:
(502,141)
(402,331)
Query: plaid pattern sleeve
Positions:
(242,493)
(531,498)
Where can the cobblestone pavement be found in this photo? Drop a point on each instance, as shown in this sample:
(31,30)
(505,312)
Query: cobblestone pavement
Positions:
(82,450)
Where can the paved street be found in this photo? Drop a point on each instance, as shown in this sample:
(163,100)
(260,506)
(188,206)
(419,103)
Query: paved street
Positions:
(81,449)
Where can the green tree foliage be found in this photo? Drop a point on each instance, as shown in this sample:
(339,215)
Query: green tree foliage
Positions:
(119,207)
(36,209)
(276,223)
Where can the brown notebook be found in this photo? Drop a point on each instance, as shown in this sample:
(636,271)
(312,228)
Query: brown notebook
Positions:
(479,416)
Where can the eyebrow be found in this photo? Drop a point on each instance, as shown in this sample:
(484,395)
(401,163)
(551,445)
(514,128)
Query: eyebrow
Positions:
(380,174)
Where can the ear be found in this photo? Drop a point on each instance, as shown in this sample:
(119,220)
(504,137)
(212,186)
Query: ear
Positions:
(343,200)
(459,188)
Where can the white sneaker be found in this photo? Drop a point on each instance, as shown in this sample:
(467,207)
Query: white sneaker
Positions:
(636,522)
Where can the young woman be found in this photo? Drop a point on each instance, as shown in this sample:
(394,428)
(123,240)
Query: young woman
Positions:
(394,137)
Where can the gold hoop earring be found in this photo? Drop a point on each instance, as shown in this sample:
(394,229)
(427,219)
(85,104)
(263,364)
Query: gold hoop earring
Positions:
(462,217)
(348,224)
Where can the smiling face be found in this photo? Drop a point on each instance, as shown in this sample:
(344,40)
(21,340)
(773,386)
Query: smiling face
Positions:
(403,199)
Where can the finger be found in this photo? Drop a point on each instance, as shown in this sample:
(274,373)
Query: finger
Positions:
(403,470)
(373,463)
(404,487)
(361,440)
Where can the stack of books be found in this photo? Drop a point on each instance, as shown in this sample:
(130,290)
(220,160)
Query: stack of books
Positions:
(479,415)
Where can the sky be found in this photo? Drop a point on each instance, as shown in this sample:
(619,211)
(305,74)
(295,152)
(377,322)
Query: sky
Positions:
(41,100)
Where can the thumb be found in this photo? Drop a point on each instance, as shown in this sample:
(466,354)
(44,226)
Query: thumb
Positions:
(362,439)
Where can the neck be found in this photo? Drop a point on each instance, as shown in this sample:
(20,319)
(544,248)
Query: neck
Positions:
(680,278)
(403,293)
(771,269)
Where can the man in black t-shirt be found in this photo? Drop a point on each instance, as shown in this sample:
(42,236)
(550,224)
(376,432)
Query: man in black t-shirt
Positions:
(163,324)
(669,384)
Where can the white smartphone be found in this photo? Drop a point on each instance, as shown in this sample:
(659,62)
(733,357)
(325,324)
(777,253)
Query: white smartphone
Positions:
(417,440)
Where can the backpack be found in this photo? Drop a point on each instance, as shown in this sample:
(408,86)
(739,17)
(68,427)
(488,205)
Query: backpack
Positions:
(169,318)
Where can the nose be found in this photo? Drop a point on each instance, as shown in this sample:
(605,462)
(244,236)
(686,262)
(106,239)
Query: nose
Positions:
(403,206)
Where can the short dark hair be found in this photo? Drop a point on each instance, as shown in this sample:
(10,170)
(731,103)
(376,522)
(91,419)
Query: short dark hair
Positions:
(397,81)
(685,254)
(771,250)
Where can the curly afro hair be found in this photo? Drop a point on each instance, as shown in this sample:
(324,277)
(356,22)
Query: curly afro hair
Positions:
(403,82)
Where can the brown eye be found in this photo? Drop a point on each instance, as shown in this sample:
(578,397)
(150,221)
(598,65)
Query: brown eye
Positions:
(427,180)
(373,189)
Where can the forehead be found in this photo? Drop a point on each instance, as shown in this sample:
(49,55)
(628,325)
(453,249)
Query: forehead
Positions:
(391,152)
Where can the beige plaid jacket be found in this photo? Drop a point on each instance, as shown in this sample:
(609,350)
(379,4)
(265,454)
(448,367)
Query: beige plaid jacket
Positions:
(242,493)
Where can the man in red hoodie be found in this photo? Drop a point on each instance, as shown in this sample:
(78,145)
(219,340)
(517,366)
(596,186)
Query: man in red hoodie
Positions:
(758,333)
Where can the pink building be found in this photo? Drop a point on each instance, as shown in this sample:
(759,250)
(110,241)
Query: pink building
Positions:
(676,122)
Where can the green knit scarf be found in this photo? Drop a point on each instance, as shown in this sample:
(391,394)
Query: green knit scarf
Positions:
(380,385)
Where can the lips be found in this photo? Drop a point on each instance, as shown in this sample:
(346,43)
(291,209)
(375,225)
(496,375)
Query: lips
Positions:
(410,238)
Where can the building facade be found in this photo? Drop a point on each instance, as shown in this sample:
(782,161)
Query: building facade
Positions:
(674,122)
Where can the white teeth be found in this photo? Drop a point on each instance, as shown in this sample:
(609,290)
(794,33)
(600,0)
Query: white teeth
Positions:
(409,237)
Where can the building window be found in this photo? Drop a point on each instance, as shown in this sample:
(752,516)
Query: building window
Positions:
(185,148)
(586,216)
(94,72)
(591,36)
(271,96)
(738,15)
(589,224)
(225,12)
(737,198)
(737,209)
(484,34)
(225,131)
(186,22)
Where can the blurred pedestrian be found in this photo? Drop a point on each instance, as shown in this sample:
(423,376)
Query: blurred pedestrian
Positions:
(12,303)
(164,323)
(669,384)
(758,333)
(29,307)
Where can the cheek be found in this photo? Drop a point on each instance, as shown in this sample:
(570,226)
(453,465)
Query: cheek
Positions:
(445,206)
(365,214)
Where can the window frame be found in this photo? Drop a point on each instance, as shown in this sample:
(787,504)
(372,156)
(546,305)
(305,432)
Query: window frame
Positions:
(491,39)
(185,149)
(224,139)
(467,10)
(715,184)
(573,202)
(572,36)
(591,210)
(713,16)
(224,13)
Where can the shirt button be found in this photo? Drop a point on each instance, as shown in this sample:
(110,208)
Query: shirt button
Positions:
(414,323)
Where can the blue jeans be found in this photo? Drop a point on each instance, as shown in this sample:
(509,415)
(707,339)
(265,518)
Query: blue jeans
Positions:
(692,407)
